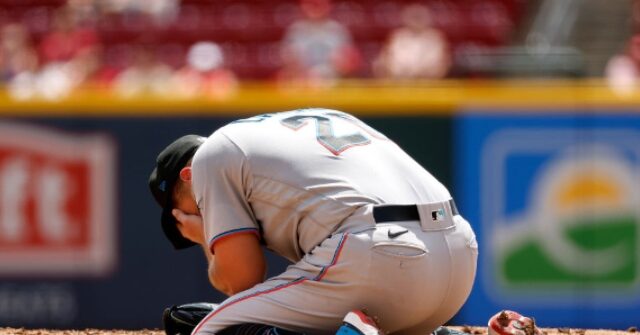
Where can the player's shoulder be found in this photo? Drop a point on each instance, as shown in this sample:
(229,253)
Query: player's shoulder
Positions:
(218,146)
(242,131)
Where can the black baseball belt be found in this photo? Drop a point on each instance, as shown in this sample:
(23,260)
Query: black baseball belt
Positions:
(390,213)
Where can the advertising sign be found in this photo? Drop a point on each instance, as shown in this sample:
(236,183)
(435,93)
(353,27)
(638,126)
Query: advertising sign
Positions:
(555,202)
(56,202)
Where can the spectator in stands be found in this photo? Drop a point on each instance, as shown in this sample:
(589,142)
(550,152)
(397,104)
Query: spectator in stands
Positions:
(88,68)
(623,70)
(17,54)
(147,75)
(86,13)
(70,56)
(162,12)
(415,50)
(204,73)
(67,39)
(317,48)
(56,80)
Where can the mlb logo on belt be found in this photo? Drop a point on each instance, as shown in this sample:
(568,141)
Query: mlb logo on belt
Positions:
(56,202)
(437,215)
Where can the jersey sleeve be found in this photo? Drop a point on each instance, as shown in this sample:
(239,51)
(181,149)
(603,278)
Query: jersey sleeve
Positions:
(220,178)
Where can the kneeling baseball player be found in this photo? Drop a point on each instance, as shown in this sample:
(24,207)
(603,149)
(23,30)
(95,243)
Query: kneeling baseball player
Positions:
(366,227)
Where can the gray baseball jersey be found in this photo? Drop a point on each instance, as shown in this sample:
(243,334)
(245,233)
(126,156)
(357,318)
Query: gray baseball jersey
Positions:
(309,183)
(292,178)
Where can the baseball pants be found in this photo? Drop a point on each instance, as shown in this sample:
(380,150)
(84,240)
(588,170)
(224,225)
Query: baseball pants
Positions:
(412,275)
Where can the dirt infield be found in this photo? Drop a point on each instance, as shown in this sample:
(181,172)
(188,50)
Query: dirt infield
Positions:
(471,330)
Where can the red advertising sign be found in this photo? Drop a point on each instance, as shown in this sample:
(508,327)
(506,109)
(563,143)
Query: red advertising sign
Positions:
(57,204)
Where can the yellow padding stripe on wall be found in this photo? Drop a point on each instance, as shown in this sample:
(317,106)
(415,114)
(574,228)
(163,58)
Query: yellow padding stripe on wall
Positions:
(362,97)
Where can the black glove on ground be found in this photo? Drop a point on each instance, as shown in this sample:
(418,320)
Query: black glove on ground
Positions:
(181,320)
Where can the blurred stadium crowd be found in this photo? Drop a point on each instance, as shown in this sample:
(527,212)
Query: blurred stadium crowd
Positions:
(48,48)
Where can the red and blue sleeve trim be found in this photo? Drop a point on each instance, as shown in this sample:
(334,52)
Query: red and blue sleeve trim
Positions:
(232,232)
(323,272)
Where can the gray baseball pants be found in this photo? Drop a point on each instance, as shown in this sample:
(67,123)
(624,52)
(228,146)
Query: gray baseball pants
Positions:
(412,275)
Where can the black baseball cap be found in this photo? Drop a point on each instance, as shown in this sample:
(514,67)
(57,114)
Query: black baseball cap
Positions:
(164,176)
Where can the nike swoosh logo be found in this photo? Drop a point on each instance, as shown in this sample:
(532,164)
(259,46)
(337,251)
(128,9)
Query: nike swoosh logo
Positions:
(396,234)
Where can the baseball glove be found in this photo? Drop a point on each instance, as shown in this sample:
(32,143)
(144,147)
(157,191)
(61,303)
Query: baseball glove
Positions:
(512,323)
(181,320)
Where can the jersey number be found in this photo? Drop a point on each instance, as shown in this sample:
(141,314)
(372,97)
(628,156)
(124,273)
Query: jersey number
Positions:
(324,133)
(324,129)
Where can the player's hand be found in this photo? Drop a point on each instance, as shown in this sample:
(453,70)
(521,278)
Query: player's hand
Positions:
(190,225)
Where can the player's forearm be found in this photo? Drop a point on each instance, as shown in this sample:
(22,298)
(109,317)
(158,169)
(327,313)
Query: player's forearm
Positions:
(217,283)
(211,273)
(211,268)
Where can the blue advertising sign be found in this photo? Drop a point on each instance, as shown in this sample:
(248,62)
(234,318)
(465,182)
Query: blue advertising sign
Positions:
(555,202)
